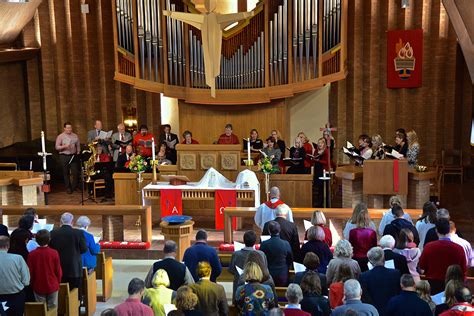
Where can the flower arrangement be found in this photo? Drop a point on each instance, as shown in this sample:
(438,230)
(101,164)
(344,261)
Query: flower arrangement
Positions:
(265,165)
(137,164)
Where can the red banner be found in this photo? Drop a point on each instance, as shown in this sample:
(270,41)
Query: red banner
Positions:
(224,198)
(404,58)
(171,202)
(396,179)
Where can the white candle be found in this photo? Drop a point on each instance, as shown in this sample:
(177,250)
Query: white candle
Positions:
(43,146)
(248,149)
(153,149)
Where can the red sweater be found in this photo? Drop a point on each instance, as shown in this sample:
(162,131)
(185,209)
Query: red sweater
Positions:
(228,140)
(336,294)
(143,144)
(45,270)
(438,255)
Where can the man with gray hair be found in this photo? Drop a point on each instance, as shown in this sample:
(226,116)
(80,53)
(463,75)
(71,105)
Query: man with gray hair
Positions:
(294,295)
(352,301)
(379,284)
(120,140)
(266,211)
(178,273)
(387,243)
(288,230)
(431,234)
(70,243)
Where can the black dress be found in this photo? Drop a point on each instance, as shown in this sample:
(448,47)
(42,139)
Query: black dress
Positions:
(281,144)
(298,167)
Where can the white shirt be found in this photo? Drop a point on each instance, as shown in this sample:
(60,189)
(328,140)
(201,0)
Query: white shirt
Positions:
(423,227)
(466,246)
(265,214)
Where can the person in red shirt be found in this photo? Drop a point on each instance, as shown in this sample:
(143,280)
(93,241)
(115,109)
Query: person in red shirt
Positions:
(101,156)
(321,164)
(45,270)
(228,138)
(308,148)
(438,255)
(133,305)
(188,138)
(143,142)
(463,306)
(294,295)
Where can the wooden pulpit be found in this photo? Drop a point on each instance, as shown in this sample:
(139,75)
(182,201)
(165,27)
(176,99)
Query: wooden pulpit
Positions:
(385,177)
(180,234)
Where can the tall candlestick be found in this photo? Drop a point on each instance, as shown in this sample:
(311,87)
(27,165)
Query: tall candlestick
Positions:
(43,146)
(153,149)
(248,150)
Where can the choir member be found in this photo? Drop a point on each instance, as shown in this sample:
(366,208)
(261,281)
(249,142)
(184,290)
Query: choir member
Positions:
(228,138)
(322,163)
(298,154)
(273,152)
(170,140)
(143,142)
(255,142)
(93,136)
(188,138)
(401,142)
(365,146)
(280,143)
(124,159)
(377,147)
(308,148)
(162,155)
(68,146)
(119,141)
(413,148)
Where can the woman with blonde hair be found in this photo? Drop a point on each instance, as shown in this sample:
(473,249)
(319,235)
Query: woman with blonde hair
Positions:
(160,294)
(185,302)
(318,219)
(423,289)
(377,147)
(308,148)
(352,222)
(342,255)
(388,216)
(254,298)
(280,143)
(297,154)
(413,148)
(450,298)
(406,247)
(363,237)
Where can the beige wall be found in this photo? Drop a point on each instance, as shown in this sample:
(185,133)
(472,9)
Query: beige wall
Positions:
(170,113)
(308,112)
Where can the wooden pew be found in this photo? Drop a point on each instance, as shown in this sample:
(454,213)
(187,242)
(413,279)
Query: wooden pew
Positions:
(39,309)
(89,288)
(104,272)
(106,211)
(68,301)
(301,213)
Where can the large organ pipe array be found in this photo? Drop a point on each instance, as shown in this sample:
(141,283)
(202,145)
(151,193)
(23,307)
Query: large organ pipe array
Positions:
(124,13)
(287,47)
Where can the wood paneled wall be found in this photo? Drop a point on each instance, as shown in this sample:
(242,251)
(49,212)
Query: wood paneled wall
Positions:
(208,122)
(440,111)
(72,80)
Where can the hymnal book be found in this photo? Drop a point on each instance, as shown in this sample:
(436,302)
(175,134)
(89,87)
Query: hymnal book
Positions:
(264,237)
(238,246)
(307,224)
(37,227)
(145,143)
(105,135)
(292,161)
(170,144)
(122,143)
(298,267)
(389,264)
(97,239)
(239,270)
(395,154)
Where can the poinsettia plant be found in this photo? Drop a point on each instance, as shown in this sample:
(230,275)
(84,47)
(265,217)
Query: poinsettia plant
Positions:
(137,164)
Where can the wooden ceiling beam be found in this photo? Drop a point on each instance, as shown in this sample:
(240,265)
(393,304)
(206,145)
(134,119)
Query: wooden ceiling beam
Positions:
(18,54)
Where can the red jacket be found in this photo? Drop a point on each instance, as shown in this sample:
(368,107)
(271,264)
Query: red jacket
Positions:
(438,255)
(362,239)
(45,270)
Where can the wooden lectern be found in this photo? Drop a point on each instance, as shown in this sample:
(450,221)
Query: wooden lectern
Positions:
(180,234)
(385,177)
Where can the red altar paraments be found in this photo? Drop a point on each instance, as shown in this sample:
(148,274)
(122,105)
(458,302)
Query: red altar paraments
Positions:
(171,202)
(223,199)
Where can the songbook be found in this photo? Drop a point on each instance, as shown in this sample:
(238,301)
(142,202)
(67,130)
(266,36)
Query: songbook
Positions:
(239,270)
(307,224)
(389,264)
(313,157)
(395,154)
(170,144)
(145,143)
(238,246)
(291,161)
(105,135)
(298,267)
(97,239)
(264,237)
(122,143)
(37,227)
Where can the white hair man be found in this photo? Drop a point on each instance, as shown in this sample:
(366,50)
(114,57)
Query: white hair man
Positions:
(70,243)
(266,211)
(352,301)
(119,141)
(380,284)
(387,243)
(289,231)
(294,295)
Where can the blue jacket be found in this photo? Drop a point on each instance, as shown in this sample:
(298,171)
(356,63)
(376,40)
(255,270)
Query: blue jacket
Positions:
(379,285)
(89,259)
(408,303)
(279,255)
(202,252)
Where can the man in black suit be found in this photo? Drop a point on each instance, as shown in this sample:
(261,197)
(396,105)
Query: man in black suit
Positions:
(171,140)
(70,243)
(289,231)
(388,243)
(278,253)
(380,284)
(123,158)
(178,272)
